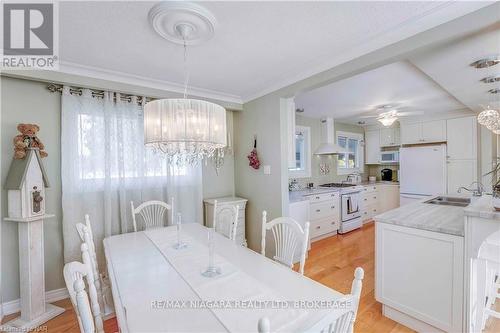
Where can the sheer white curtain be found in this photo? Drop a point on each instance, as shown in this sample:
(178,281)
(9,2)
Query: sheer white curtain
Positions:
(105,166)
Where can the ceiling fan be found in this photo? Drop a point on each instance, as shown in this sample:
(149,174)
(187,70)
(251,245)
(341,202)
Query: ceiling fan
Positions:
(389,113)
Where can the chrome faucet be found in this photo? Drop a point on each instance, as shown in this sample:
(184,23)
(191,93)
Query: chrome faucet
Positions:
(477,192)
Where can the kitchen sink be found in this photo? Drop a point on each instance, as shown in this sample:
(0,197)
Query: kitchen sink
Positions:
(449,201)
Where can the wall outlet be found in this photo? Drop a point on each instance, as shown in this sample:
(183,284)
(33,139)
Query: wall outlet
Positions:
(267,169)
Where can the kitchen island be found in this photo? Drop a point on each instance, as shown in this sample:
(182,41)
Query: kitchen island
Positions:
(419,266)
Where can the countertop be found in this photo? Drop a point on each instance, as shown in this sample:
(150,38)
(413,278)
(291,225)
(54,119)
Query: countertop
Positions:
(483,208)
(420,215)
(300,195)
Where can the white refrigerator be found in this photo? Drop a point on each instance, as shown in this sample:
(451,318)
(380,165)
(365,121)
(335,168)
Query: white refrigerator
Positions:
(422,172)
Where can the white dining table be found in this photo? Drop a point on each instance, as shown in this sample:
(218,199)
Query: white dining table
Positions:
(143,277)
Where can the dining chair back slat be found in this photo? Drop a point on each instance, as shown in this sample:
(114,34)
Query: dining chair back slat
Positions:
(152,213)
(288,237)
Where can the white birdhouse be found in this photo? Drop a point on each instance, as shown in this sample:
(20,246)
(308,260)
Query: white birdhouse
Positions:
(26,183)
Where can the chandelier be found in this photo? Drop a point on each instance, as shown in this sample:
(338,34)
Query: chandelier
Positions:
(186,130)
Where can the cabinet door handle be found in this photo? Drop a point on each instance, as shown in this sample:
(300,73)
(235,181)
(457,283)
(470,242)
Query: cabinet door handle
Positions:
(333,222)
(366,199)
(374,197)
(333,207)
(318,210)
(318,227)
(332,195)
(317,197)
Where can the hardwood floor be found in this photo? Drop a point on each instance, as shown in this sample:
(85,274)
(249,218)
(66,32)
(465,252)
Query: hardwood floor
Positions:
(332,262)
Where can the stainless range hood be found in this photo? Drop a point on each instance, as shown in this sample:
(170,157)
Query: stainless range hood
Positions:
(328,145)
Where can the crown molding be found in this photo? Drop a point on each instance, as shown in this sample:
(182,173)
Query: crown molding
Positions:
(444,13)
(137,80)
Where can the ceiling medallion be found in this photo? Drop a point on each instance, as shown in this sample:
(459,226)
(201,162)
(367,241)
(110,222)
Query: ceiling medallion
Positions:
(167,18)
(486,62)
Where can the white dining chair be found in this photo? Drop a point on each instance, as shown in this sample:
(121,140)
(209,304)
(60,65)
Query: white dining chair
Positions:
(101,283)
(488,280)
(343,323)
(226,220)
(88,314)
(152,213)
(288,236)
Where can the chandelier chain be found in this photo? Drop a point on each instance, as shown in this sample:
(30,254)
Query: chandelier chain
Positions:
(186,69)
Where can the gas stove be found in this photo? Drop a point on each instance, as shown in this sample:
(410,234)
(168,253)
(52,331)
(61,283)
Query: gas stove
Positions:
(337,185)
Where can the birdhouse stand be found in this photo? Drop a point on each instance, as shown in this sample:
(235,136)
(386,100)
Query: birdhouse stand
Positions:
(26,184)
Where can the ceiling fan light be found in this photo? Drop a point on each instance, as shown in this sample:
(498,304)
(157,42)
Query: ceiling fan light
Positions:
(387,121)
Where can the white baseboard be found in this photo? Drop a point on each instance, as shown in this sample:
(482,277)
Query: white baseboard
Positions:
(50,296)
(409,321)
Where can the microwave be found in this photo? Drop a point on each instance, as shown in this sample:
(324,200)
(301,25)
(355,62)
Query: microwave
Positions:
(389,157)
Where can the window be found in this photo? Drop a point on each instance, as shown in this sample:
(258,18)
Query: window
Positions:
(351,159)
(302,167)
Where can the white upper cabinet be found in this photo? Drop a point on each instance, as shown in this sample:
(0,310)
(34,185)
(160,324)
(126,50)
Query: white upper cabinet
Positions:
(434,131)
(389,136)
(372,147)
(423,132)
(462,138)
(411,133)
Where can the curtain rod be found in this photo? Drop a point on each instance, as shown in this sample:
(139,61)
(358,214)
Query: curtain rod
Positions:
(95,93)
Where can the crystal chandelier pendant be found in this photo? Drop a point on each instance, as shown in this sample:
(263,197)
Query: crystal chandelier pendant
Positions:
(186,130)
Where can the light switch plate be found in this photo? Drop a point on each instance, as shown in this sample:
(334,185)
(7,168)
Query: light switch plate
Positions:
(267,169)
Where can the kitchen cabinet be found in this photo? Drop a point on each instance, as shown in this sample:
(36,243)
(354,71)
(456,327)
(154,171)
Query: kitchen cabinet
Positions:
(461,152)
(324,214)
(434,131)
(411,133)
(388,197)
(377,199)
(419,277)
(423,132)
(299,211)
(372,147)
(389,136)
(460,173)
(461,137)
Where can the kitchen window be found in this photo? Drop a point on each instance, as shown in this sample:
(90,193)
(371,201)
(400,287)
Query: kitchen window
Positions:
(351,159)
(302,167)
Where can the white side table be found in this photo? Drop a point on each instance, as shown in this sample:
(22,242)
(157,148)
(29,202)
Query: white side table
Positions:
(34,310)
(228,201)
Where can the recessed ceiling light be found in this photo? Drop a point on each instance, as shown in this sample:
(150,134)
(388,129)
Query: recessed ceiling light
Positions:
(486,62)
(491,79)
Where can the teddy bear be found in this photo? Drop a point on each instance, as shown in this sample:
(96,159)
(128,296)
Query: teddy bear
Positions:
(27,139)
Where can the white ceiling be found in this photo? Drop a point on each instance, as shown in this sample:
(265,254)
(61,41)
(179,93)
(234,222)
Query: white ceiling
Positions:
(258,46)
(400,84)
(449,66)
